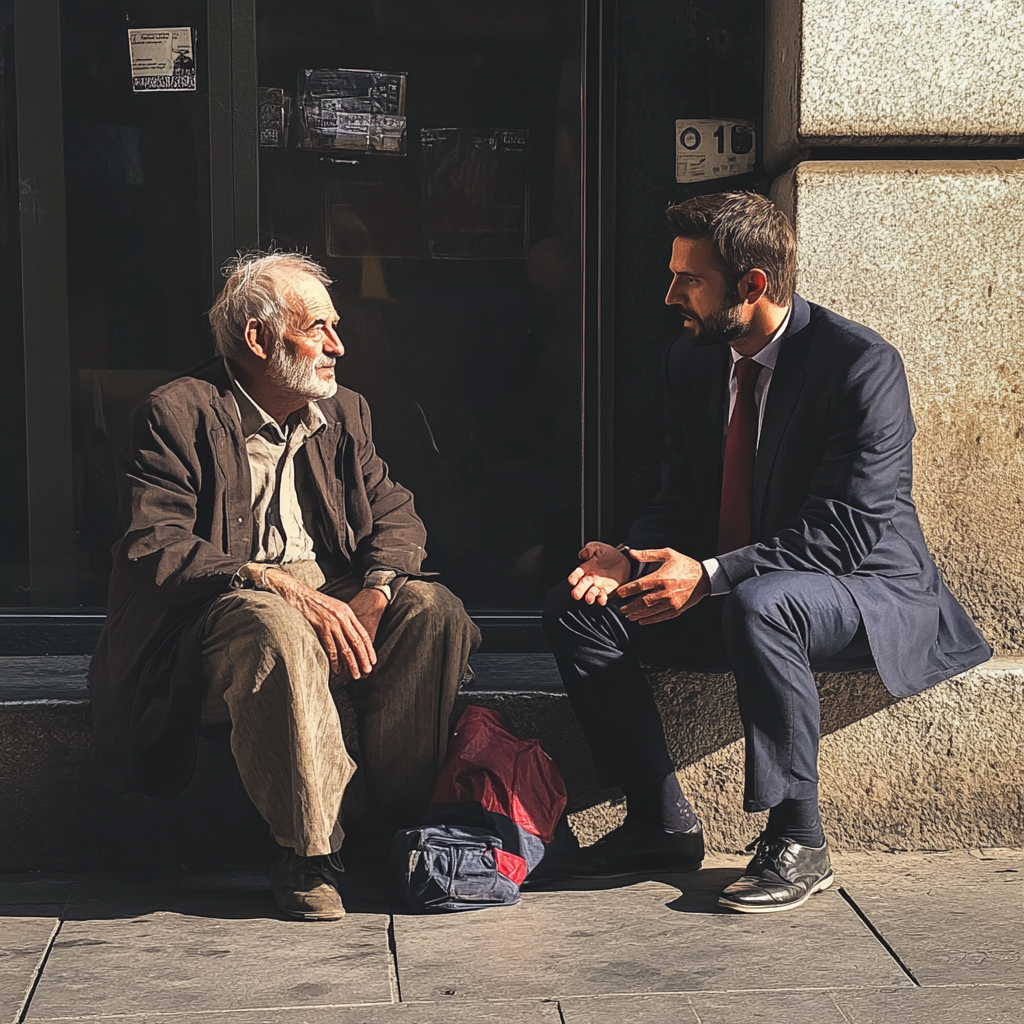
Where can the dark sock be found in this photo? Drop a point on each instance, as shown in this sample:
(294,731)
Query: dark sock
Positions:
(660,803)
(798,820)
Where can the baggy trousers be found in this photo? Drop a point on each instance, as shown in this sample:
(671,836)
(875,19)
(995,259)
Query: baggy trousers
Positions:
(267,675)
(771,631)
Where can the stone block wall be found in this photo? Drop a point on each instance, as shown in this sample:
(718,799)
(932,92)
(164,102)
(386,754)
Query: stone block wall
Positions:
(926,251)
(892,73)
(930,253)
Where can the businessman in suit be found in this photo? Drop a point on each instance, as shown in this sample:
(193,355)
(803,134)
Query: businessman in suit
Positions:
(784,539)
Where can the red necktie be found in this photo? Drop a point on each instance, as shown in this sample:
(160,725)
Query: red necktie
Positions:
(738,470)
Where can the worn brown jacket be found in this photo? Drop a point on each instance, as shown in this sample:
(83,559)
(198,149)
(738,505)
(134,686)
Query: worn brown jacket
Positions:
(185,500)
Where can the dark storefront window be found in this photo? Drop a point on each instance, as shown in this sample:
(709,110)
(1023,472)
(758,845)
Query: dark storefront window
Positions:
(13,498)
(443,195)
(452,227)
(137,171)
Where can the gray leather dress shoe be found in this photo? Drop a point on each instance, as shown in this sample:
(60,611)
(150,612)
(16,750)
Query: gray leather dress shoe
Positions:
(630,849)
(781,876)
(307,887)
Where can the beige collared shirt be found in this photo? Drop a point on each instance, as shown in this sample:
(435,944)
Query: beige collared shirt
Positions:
(282,501)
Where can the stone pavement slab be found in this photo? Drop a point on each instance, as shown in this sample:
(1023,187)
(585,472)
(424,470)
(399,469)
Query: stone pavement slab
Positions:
(532,1011)
(172,963)
(210,948)
(25,941)
(981,1005)
(952,918)
(132,945)
(718,1008)
(667,935)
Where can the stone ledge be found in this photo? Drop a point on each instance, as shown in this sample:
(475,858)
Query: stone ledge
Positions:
(938,771)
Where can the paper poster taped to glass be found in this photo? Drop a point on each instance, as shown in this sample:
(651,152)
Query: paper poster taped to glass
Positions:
(163,59)
(344,108)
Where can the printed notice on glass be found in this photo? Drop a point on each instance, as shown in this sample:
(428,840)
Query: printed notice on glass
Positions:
(162,60)
(712,148)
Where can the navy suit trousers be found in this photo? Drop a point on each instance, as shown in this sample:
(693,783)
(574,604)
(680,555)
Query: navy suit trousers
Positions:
(770,631)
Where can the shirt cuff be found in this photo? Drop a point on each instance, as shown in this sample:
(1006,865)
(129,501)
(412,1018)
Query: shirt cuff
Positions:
(716,575)
(386,580)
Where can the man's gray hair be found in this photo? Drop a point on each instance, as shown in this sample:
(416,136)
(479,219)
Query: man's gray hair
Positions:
(256,289)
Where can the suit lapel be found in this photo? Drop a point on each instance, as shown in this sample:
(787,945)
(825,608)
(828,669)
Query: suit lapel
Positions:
(783,393)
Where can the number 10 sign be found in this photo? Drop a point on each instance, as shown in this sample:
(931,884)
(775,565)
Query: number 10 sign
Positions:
(710,148)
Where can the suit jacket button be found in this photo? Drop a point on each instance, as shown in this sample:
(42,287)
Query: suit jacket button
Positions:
(239,518)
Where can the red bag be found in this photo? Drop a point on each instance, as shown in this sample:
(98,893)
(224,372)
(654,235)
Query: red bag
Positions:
(492,778)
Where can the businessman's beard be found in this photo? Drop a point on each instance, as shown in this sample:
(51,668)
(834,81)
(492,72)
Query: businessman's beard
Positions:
(720,327)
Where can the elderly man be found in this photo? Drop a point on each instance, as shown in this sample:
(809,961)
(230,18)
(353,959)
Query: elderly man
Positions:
(266,551)
(784,538)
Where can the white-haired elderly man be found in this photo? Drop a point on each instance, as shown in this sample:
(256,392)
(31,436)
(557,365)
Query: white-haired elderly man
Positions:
(265,551)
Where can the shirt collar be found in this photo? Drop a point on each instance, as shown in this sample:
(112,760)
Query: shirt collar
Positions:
(770,353)
(254,418)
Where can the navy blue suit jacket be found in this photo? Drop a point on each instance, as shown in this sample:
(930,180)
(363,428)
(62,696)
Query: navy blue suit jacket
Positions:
(832,488)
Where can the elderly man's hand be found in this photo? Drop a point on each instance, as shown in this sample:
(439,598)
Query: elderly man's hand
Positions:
(338,626)
(369,606)
(603,569)
(676,585)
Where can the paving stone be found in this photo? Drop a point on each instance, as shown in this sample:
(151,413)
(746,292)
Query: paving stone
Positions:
(952,918)
(173,962)
(982,1005)
(533,1011)
(23,941)
(705,1008)
(664,935)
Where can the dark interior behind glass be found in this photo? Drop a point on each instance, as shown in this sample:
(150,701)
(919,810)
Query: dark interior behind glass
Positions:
(456,258)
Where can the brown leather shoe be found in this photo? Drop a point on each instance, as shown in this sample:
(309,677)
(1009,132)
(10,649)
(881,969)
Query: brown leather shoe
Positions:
(307,887)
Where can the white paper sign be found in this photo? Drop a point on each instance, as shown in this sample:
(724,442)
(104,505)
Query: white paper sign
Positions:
(710,148)
(162,60)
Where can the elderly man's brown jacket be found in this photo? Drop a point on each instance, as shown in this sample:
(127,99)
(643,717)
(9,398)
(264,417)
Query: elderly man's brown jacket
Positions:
(185,500)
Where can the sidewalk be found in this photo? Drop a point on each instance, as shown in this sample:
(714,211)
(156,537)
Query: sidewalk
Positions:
(900,939)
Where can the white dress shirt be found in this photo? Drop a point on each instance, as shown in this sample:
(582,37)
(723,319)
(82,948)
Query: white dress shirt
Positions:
(767,358)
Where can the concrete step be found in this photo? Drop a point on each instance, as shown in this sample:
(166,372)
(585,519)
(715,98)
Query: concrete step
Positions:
(939,771)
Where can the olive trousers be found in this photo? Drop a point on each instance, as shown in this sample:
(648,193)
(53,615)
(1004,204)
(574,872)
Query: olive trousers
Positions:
(266,675)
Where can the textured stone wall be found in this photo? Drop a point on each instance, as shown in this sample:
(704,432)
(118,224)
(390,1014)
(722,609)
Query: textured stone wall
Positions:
(931,255)
(898,72)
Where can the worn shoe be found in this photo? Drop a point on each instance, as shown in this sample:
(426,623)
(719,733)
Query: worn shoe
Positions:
(307,887)
(629,849)
(782,875)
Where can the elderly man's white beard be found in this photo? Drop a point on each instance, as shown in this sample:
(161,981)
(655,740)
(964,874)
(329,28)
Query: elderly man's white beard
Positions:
(298,375)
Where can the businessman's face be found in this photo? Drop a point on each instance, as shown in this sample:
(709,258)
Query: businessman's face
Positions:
(710,306)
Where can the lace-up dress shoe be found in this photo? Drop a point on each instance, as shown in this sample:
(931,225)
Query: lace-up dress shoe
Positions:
(307,887)
(782,875)
(629,849)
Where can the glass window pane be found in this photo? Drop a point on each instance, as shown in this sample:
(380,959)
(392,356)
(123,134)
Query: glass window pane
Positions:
(443,196)
(14,494)
(136,169)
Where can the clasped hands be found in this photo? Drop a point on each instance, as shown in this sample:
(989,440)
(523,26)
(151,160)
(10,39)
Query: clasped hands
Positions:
(676,585)
(346,630)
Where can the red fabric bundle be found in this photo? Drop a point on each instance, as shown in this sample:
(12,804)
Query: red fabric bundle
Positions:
(507,775)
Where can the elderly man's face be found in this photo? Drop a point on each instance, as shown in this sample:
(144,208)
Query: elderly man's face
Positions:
(303,363)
